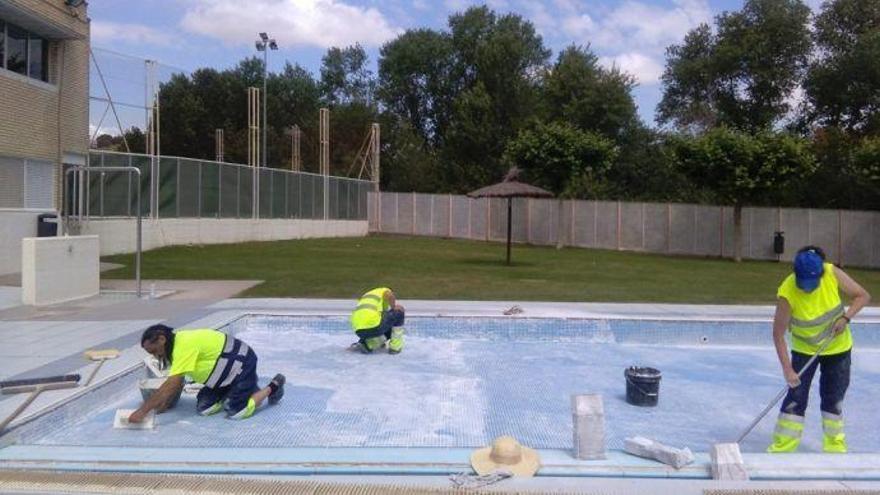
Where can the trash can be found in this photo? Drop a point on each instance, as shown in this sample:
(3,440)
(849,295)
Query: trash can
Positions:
(47,225)
(779,242)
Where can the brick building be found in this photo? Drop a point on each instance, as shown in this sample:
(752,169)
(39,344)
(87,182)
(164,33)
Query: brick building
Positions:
(44,123)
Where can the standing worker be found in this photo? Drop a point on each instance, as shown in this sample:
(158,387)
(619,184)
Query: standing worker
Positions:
(378,318)
(225,365)
(809,305)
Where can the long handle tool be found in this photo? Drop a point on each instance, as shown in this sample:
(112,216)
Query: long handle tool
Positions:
(784,390)
(99,355)
(35,386)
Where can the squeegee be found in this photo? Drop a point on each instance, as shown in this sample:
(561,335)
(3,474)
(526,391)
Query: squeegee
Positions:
(35,386)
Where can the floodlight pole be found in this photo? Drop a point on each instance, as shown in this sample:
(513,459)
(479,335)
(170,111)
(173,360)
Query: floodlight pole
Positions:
(264,44)
(265,75)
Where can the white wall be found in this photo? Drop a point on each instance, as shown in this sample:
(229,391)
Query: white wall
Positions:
(58,269)
(118,235)
(15,225)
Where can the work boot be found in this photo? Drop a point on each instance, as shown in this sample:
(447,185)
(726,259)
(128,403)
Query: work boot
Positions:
(358,347)
(833,438)
(395,345)
(276,394)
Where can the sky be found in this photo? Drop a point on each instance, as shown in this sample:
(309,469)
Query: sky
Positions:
(188,34)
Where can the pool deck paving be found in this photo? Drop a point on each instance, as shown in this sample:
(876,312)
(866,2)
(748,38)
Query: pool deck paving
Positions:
(50,341)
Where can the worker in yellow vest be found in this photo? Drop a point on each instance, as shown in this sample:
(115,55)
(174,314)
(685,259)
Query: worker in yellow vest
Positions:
(809,305)
(378,319)
(225,365)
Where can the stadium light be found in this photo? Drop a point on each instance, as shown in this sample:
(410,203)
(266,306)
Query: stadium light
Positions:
(264,44)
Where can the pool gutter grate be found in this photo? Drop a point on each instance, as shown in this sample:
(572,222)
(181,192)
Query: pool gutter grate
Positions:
(125,484)
(770,491)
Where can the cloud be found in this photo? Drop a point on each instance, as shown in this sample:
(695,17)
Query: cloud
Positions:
(636,24)
(578,26)
(456,5)
(321,23)
(114,32)
(645,68)
(422,5)
(633,35)
(113,131)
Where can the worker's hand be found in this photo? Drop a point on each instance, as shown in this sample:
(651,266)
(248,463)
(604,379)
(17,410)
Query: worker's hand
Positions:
(398,307)
(839,326)
(791,377)
(136,417)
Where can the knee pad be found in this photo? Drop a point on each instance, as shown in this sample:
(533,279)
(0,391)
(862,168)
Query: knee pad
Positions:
(246,412)
(211,409)
(374,343)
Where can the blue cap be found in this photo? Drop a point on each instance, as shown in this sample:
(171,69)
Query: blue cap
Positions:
(808,269)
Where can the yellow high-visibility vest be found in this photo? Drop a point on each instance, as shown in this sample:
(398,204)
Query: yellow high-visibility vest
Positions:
(368,312)
(812,313)
(195,353)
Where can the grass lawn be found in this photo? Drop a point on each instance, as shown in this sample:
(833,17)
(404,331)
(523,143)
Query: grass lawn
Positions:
(430,268)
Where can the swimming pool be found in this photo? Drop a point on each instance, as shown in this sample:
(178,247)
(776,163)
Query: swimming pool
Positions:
(462,381)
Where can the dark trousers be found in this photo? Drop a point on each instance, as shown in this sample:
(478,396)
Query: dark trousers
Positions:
(833,382)
(236,394)
(390,319)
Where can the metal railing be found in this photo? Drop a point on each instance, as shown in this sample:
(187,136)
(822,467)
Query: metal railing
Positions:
(189,188)
(65,223)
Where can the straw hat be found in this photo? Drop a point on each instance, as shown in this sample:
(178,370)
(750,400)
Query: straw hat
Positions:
(508,455)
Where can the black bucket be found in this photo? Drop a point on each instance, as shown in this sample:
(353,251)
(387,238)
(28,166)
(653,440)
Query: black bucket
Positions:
(642,386)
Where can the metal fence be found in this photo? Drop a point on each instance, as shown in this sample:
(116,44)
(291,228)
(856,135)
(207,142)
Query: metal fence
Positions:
(188,188)
(849,237)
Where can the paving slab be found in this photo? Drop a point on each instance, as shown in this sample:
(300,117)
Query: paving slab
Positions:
(10,297)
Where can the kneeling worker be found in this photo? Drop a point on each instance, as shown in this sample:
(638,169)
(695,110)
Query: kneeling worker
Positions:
(809,305)
(378,318)
(225,365)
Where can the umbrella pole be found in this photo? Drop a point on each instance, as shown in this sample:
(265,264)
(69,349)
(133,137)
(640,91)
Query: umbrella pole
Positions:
(509,209)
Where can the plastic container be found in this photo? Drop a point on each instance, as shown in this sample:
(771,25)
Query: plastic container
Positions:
(149,386)
(642,386)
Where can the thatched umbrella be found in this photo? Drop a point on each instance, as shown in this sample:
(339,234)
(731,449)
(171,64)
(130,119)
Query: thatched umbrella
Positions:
(510,188)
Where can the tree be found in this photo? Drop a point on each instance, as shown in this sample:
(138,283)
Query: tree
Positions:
(194,106)
(689,83)
(345,77)
(294,98)
(417,81)
(842,84)
(561,158)
(646,170)
(742,168)
(580,91)
(866,160)
(474,142)
(499,60)
(182,117)
(742,76)
(407,164)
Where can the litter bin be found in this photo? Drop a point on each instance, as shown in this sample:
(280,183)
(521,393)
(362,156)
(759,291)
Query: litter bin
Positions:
(47,225)
(779,242)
